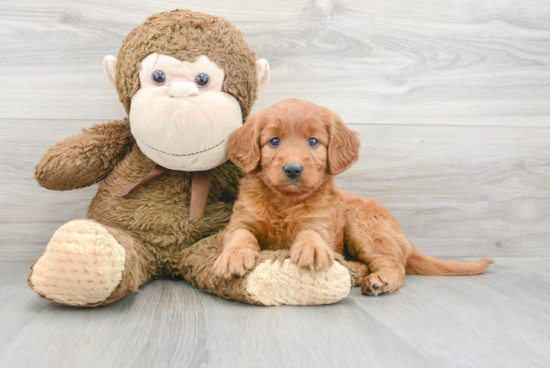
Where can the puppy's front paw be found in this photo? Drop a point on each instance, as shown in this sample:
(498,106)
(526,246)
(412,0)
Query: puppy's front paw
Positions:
(309,254)
(235,262)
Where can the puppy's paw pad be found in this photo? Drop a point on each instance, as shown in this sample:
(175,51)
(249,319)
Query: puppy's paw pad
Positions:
(378,284)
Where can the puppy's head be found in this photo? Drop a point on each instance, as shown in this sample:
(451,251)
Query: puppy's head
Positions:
(294,146)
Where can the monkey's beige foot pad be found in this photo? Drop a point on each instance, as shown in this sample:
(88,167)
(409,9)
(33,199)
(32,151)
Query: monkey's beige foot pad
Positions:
(284,283)
(82,265)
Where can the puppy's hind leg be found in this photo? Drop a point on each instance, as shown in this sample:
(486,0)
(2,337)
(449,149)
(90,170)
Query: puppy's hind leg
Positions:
(373,237)
(387,275)
(360,271)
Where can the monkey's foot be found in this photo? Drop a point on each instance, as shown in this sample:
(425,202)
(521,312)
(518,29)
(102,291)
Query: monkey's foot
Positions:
(82,265)
(273,282)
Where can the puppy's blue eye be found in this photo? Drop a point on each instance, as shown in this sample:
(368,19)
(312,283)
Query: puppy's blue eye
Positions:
(274,142)
(313,142)
(159,77)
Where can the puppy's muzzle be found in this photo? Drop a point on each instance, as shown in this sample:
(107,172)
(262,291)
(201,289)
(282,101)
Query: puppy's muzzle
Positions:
(293,170)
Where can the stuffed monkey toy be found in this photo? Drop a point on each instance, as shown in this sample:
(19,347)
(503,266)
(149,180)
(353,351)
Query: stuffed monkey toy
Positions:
(166,188)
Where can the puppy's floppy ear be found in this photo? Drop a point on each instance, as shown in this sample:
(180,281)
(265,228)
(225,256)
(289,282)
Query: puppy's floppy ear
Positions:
(343,146)
(244,144)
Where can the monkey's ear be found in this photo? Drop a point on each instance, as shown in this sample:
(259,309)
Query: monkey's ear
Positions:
(244,144)
(109,66)
(263,73)
(343,146)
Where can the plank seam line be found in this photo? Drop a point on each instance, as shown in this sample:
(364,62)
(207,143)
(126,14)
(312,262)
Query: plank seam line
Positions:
(347,123)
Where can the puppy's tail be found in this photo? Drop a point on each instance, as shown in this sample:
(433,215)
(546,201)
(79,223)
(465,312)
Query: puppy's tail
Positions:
(421,264)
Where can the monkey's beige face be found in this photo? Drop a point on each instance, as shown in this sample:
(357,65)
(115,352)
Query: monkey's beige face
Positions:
(180,117)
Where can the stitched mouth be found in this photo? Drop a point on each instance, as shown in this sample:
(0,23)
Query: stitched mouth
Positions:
(184,154)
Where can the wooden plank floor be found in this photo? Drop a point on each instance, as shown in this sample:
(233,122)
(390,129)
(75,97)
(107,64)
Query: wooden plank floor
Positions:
(499,319)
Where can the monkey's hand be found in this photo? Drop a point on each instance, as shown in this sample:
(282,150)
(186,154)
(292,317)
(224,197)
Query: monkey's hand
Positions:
(86,158)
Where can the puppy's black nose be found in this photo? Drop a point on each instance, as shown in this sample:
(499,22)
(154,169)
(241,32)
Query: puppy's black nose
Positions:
(293,170)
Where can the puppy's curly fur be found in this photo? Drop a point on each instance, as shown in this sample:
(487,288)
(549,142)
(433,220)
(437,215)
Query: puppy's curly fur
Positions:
(300,209)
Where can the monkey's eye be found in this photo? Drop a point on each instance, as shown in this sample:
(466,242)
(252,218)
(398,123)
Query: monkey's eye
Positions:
(202,80)
(313,142)
(159,77)
(275,142)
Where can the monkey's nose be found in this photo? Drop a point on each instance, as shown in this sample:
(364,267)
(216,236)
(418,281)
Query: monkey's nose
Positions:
(183,89)
(293,170)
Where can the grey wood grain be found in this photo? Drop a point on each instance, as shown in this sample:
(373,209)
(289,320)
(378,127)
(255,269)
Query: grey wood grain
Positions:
(459,191)
(456,191)
(431,87)
(500,319)
(393,62)
(475,321)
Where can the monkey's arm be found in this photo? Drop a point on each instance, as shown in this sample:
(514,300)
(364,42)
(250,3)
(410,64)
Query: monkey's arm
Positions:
(86,158)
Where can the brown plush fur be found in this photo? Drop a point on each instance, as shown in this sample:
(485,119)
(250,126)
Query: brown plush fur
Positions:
(185,35)
(85,159)
(152,222)
(155,216)
(309,215)
(197,268)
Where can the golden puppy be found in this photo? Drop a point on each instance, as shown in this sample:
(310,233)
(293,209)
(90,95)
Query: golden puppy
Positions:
(291,152)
